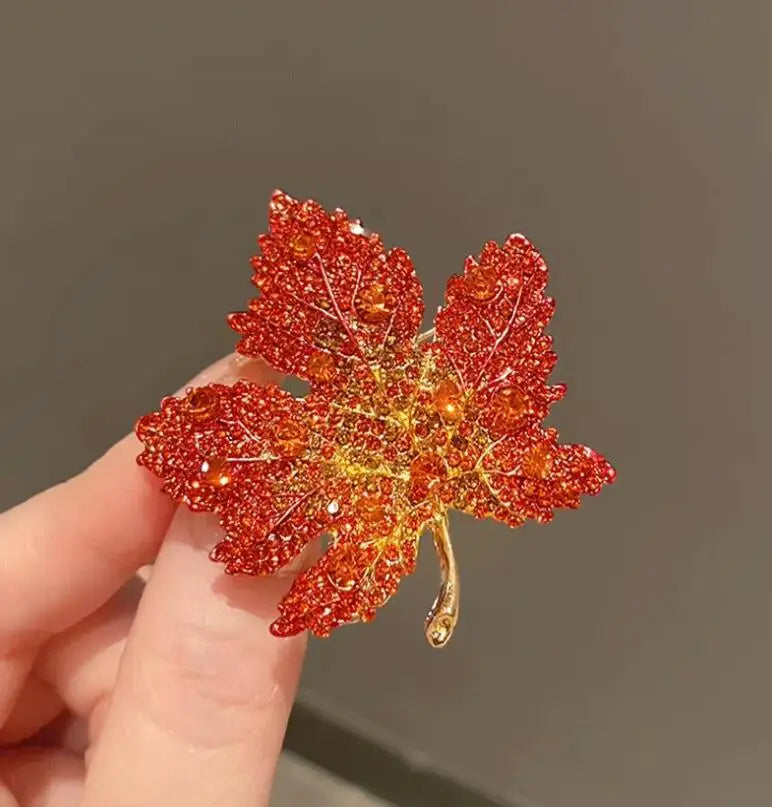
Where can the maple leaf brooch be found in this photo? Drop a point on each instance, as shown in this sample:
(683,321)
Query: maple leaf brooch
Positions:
(398,427)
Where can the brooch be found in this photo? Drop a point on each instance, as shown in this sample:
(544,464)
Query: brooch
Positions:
(398,426)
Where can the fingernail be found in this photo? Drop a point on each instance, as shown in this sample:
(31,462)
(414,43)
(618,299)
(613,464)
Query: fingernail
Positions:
(305,560)
(203,529)
(232,368)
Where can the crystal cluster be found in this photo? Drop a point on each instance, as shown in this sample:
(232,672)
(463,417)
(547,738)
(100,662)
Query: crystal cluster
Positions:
(398,427)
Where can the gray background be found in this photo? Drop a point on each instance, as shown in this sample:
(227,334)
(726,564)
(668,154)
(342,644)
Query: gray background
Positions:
(620,656)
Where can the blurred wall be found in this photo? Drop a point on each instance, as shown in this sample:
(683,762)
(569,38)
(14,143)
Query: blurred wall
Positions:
(620,656)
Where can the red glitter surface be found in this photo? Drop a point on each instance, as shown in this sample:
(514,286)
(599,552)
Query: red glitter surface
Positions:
(397,429)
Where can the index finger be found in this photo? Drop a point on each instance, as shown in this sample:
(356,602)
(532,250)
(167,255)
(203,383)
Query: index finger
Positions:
(204,690)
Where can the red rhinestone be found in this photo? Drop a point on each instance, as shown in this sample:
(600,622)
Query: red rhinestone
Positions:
(321,366)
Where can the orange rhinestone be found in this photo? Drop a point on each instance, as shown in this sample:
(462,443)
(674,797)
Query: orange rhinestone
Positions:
(508,407)
(203,404)
(448,401)
(303,245)
(426,470)
(481,283)
(537,463)
(370,507)
(291,438)
(216,471)
(321,366)
(373,304)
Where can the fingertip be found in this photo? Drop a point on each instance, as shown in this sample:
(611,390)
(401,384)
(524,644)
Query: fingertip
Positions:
(234,367)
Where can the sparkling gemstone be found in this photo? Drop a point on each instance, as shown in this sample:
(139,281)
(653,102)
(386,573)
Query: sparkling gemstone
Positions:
(321,366)
(426,470)
(203,404)
(508,407)
(370,507)
(481,283)
(291,438)
(449,401)
(537,463)
(373,304)
(303,245)
(216,471)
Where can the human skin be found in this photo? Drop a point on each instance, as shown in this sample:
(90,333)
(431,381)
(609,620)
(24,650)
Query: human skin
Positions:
(116,691)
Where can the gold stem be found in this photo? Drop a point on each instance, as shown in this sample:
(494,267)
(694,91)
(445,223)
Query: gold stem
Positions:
(443,616)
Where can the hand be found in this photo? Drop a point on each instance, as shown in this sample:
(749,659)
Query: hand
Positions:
(114,693)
